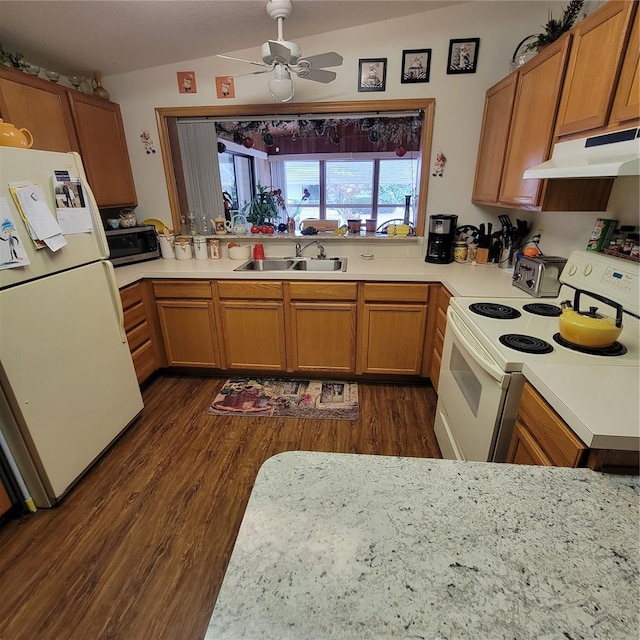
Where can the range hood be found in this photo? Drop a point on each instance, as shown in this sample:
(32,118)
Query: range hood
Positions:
(608,155)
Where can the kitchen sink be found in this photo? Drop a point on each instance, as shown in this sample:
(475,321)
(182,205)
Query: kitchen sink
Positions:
(295,264)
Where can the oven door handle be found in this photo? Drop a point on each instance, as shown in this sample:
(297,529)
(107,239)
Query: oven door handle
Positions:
(473,347)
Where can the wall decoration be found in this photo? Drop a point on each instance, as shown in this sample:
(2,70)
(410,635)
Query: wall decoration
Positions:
(147,141)
(463,55)
(438,165)
(187,82)
(225,87)
(416,65)
(372,74)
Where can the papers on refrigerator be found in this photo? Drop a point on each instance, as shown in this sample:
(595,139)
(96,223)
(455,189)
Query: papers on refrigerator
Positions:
(72,205)
(39,219)
(12,251)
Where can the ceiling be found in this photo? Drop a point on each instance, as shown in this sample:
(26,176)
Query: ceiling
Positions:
(115,36)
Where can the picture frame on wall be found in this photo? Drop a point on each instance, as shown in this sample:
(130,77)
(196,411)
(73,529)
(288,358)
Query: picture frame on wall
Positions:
(372,74)
(463,55)
(416,66)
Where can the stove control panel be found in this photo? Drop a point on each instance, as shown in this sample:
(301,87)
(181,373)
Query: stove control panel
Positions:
(608,276)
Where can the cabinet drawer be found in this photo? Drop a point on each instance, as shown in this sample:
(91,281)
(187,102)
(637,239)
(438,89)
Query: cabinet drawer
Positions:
(250,289)
(138,335)
(382,292)
(323,290)
(441,320)
(181,289)
(443,298)
(438,342)
(561,445)
(133,316)
(144,361)
(131,295)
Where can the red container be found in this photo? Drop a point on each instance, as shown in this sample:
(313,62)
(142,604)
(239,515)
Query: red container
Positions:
(258,252)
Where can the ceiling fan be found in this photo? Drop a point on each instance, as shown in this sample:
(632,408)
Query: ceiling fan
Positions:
(284,58)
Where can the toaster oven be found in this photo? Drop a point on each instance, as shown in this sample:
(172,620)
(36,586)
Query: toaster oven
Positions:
(134,244)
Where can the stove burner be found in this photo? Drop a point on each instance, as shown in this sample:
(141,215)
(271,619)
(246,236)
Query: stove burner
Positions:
(616,349)
(493,310)
(543,309)
(526,344)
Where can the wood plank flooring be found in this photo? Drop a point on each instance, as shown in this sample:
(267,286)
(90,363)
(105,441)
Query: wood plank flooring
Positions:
(138,549)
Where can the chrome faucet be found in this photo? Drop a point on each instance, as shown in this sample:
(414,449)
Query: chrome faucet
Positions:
(300,249)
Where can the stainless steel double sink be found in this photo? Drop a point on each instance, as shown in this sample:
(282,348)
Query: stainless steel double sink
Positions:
(294,264)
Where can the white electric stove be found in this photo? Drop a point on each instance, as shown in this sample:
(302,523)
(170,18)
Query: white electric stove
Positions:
(480,380)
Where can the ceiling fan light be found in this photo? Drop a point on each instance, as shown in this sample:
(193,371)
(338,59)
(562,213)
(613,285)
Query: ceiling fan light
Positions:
(281,85)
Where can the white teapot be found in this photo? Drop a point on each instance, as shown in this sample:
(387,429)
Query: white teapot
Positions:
(237,226)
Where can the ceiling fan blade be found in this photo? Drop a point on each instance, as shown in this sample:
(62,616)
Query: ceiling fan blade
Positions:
(259,64)
(252,73)
(330,59)
(317,75)
(279,51)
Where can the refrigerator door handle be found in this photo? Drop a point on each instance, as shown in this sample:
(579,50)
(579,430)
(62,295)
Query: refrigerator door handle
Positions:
(115,298)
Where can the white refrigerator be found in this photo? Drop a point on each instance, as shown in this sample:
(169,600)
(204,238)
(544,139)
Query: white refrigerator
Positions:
(68,388)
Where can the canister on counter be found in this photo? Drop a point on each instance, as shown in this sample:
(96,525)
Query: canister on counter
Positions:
(460,251)
(182,246)
(213,245)
(200,247)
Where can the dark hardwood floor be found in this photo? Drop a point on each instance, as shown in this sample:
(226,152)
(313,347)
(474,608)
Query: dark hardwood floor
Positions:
(138,549)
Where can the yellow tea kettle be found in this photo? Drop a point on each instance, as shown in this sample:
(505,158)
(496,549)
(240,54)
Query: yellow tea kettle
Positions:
(589,328)
(10,136)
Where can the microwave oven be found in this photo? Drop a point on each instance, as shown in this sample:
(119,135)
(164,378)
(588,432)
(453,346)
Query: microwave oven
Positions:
(133,244)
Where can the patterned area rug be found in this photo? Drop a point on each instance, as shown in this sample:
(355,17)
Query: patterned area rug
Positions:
(323,399)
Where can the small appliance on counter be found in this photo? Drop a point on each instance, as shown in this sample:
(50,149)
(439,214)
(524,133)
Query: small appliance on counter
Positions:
(442,231)
(539,275)
(133,244)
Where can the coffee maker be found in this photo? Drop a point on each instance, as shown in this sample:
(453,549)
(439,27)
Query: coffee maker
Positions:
(442,231)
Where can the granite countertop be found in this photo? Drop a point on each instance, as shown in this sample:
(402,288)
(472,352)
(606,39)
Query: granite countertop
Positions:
(360,547)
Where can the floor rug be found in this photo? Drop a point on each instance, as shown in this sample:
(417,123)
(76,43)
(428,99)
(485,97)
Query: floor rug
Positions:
(322,399)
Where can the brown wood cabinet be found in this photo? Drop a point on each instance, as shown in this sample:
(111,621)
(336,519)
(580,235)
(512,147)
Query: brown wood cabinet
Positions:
(62,119)
(597,53)
(391,328)
(322,329)
(187,318)
(626,102)
(40,106)
(541,436)
(139,327)
(104,150)
(5,501)
(252,323)
(438,305)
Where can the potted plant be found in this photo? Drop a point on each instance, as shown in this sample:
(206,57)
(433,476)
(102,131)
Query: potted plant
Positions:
(262,211)
(555,28)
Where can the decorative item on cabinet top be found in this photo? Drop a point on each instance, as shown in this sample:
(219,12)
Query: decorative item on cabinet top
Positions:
(98,89)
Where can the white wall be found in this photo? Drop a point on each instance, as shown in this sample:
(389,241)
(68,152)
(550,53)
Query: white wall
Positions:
(459,100)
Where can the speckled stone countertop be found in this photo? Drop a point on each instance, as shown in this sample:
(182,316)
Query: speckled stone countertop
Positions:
(369,547)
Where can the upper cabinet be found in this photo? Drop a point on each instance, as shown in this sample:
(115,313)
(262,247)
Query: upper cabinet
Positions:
(104,149)
(40,106)
(597,53)
(585,82)
(62,119)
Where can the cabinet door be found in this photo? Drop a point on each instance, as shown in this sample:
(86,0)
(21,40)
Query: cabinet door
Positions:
(498,107)
(626,104)
(392,339)
(323,336)
(525,450)
(40,106)
(5,501)
(253,335)
(104,150)
(536,103)
(188,332)
(594,63)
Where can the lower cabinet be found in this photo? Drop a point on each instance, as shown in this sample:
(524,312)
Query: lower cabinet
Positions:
(5,501)
(438,316)
(392,327)
(252,323)
(187,320)
(139,328)
(322,334)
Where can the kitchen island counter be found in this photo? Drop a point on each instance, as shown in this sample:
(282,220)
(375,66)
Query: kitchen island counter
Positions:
(353,546)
